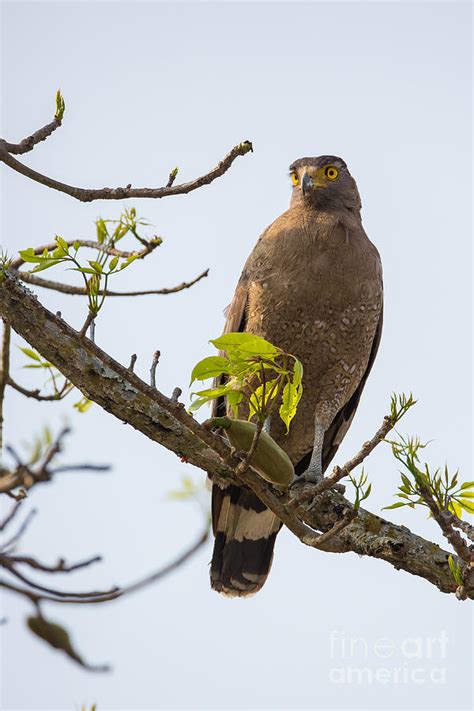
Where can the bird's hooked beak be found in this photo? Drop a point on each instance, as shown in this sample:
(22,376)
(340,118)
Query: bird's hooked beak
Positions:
(306,183)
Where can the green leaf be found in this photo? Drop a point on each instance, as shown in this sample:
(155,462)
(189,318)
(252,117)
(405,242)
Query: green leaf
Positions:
(256,404)
(209,368)
(113,264)
(62,243)
(297,373)
(102,232)
(455,508)
(96,266)
(467,485)
(47,265)
(199,402)
(28,255)
(394,506)
(76,245)
(246,343)
(83,270)
(83,404)
(366,493)
(215,392)
(289,401)
(128,261)
(234,398)
(120,231)
(466,505)
(60,106)
(455,570)
(31,354)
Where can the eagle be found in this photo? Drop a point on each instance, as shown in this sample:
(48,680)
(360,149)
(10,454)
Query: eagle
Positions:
(312,286)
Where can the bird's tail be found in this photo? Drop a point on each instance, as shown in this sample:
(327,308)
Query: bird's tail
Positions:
(245,532)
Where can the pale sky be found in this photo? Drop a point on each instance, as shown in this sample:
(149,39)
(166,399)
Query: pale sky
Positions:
(152,85)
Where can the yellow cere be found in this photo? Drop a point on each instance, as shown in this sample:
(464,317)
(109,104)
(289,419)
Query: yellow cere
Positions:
(331,172)
(294,179)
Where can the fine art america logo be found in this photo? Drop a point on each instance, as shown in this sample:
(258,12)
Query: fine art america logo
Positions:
(411,660)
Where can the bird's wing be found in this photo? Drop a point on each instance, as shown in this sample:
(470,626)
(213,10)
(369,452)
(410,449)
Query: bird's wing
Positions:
(338,428)
(235,321)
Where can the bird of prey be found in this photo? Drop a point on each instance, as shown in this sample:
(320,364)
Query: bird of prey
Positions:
(313,287)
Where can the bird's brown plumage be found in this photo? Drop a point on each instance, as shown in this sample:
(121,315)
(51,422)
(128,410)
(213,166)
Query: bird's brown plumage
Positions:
(312,286)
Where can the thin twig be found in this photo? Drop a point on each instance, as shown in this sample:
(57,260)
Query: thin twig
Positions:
(88,322)
(80,467)
(347,516)
(27,144)
(52,591)
(87,195)
(82,291)
(60,567)
(154,363)
(28,519)
(177,392)
(35,394)
(4,372)
(37,597)
(9,517)
(309,491)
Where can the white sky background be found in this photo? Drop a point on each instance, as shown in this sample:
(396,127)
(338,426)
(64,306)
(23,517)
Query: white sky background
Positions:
(154,85)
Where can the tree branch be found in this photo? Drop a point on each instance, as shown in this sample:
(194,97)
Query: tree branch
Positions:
(4,373)
(81,291)
(119,391)
(91,244)
(89,194)
(27,144)
(39,593)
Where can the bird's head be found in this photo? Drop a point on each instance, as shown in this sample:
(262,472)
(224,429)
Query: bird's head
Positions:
(325,183)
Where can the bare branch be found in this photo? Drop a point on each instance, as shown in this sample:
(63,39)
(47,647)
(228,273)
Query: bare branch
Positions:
(89,194)
(35,394)
(4,373)
(154,363)
(91,316)
(27,476)
(9,518)
(38,594)
(28,519)
(60,567)
(27,144)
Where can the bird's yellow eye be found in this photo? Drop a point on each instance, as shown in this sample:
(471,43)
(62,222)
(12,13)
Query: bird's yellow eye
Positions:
(295,179)
(331,172)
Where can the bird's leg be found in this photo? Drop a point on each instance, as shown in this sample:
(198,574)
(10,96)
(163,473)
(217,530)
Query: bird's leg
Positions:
(314,472)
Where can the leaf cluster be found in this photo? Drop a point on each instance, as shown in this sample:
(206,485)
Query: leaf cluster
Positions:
(399,406)
(254,373)
(361,493)
(95,272)
(444,487)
